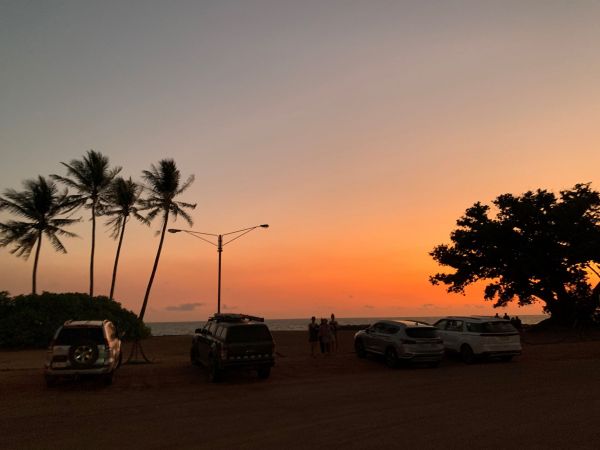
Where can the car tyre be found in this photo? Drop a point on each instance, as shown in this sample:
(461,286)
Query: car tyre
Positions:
(391,358)
(264,372)
(194,356)
(466,354)
(120,360)
(83,354)
(214,373)
(359,348)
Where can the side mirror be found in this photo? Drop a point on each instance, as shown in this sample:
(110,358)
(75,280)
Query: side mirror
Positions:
(369,330)
(121,334)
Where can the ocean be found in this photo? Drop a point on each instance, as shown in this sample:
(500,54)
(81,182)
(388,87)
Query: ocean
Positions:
(187,328)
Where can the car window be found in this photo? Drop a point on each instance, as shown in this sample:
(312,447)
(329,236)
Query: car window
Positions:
(69,336)
(378,327)
(210,326)
(498,327)
(220,331)
(454,325)
(475,327)
(248,333)
(421,332)
(441,324)
(110,331)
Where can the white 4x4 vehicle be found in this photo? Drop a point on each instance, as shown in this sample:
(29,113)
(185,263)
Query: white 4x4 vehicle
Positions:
(89,347)
(474,337)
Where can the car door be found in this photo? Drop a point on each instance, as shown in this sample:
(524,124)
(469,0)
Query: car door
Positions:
(377,338)
(203,342)
(453,335)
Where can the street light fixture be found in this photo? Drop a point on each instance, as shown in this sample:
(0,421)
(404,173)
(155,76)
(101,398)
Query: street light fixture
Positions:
(220,244)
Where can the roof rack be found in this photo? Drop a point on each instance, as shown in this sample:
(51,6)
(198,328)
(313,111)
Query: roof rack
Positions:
(235,318)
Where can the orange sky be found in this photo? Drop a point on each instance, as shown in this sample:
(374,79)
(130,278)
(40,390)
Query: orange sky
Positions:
(359,132)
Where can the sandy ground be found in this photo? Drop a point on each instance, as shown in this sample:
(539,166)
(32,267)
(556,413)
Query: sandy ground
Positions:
(547,398)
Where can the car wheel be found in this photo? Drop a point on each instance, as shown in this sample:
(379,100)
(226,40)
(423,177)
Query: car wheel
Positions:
(214,374)
(391,358)
(466,354)
(264,372)
(506,358)
(194,356)
(120,360)
(359,348)
(50,380)
(83,354)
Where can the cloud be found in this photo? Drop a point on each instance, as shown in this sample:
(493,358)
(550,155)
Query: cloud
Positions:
(184,307)
(427,305)
(227,307)
(369,306)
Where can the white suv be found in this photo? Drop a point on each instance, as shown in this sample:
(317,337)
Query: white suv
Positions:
(474,337)
(89,347)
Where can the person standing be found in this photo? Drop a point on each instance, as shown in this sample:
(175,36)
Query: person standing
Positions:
(313,335)
(333,326)
(325,336)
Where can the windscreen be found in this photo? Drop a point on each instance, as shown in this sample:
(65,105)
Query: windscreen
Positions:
(421,332)
(248,333)
(68,336)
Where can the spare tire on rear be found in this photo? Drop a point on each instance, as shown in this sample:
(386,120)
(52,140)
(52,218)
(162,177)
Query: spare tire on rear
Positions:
(83,354)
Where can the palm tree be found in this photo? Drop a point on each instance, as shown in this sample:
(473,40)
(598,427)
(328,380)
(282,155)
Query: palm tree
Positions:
(91,178)
(123,197)
(39,204)
(163,185)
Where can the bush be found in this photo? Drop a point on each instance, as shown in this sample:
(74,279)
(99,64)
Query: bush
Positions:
(32,320)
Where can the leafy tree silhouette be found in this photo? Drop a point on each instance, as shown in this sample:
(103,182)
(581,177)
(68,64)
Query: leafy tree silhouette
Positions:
(122,198)
(40,204)
(535,247)
(163,184)
(90,177)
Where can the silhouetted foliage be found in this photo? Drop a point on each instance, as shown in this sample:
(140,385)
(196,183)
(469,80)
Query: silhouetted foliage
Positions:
(163,184)
(91,178)
(535,247)
(40,204)
(122,198)
(32,320)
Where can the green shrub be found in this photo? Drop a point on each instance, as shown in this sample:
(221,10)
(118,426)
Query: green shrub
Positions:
(32,320)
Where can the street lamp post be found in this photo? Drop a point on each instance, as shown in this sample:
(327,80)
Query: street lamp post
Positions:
(220,244)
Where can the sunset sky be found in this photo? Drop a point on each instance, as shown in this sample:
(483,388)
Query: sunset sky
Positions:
(359,130)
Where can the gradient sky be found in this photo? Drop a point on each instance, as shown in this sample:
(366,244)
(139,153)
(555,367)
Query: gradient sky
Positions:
(359,130)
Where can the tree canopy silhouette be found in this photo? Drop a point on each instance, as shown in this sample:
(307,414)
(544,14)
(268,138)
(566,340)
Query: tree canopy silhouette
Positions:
(40,204)
(90,177)
(529,248)
(163,184)
(122,197)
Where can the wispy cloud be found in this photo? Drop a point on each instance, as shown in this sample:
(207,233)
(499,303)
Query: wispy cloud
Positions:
(369,307)
(228,308)
(184,307)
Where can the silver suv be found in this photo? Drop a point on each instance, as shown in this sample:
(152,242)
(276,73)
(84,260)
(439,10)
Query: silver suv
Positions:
(90,347)
(400,340)
(479,337)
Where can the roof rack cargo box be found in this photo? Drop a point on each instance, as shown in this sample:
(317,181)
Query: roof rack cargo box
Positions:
(236,318)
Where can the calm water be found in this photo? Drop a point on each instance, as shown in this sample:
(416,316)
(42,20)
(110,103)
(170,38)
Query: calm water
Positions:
(187,328)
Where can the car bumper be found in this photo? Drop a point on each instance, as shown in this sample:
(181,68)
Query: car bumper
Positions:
(248,364)
(70,371)
(422,357)
(499,353)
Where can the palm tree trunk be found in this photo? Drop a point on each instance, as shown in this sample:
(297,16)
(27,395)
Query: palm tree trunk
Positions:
(114,275)
(162,238)
(35,263)
(93,249)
